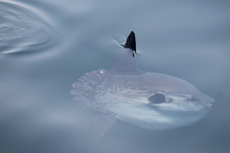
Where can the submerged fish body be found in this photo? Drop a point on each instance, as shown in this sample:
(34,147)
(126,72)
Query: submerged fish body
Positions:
(146,99)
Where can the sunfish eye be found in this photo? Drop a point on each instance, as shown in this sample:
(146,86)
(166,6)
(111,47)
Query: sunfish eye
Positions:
(157,98)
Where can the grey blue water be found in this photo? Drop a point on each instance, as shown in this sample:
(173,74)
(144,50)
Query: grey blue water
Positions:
(45,46)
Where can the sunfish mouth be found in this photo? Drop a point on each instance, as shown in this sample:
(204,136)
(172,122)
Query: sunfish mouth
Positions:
(180,102)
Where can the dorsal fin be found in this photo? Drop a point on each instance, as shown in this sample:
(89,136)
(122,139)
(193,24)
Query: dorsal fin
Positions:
(131,41)
(125,61)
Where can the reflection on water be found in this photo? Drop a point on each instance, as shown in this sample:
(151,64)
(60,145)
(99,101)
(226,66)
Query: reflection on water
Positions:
(22,29)
(186,39)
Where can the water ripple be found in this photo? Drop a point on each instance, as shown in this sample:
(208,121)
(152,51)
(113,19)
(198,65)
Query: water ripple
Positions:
(23,28)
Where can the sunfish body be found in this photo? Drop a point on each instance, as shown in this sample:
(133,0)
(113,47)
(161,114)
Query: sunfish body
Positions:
(146,99)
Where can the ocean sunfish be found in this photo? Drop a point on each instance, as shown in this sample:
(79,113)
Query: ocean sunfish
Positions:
(145,99)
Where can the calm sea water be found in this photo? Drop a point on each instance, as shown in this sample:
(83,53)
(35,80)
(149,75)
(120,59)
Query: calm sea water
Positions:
(45,46)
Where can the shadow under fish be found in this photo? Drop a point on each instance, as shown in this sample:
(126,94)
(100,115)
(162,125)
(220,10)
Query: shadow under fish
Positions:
(145,99)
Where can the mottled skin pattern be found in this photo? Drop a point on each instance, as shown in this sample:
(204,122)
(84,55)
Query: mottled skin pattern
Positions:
(125,96)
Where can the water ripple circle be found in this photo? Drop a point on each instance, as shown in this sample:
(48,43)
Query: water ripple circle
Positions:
(23,28)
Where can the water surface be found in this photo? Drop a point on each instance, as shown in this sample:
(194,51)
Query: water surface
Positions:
(47,45)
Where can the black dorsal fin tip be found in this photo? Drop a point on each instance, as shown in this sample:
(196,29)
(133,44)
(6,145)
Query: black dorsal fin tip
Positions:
(131,41)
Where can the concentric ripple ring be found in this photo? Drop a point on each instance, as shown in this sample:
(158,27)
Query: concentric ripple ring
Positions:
(23,28)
